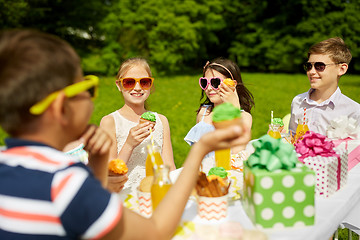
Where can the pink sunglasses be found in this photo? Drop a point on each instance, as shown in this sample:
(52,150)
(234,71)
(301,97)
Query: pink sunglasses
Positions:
(214,82)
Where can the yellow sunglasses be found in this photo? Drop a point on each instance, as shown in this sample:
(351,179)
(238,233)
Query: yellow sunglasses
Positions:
(89,84)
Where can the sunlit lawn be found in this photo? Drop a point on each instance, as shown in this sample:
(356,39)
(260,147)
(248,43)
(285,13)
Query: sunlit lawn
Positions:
(177,97)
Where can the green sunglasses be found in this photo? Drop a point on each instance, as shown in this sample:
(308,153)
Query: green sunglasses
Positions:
(89,84)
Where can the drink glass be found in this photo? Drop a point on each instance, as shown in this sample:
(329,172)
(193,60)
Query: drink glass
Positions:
(274,131)
(301,129)
(223,158)
(161,185)
(148,163)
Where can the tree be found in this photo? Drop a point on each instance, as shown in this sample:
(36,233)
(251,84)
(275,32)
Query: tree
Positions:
(170,33)
(75,21)
(277,34)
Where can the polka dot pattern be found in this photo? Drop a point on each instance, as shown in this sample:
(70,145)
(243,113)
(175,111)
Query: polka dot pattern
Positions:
(258,198)
(326,172)
(279,199)
(267,213)
(266,182)
(299,196)
(288,212)
(309,211)
(288,181)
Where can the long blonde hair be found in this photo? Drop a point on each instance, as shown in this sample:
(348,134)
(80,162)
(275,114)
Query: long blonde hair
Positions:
(130,63)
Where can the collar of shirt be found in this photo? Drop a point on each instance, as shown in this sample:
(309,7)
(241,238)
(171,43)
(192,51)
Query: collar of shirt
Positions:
(17,142)
(332,100)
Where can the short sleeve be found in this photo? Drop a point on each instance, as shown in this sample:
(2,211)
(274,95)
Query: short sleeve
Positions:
(87,209)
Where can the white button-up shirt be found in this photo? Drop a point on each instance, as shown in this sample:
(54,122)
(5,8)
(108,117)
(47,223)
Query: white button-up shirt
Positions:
(319,115)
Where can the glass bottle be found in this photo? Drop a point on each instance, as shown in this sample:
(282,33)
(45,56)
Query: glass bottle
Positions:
(301,129)
(223,158)
(161,185)
(274,131)
(148,163)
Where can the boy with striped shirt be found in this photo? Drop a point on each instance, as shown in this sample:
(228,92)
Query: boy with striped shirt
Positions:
(46,194)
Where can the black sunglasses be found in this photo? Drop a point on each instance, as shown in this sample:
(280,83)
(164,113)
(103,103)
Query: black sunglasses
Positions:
(319,66)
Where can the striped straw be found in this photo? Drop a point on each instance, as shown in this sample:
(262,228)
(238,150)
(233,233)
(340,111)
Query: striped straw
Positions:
(272,116)
(304,116)
(151,153)
(151,138)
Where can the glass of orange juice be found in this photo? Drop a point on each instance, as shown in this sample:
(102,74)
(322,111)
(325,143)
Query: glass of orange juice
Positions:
(274,131)
(149,168)
(223,158)
(161,185)
(301,129)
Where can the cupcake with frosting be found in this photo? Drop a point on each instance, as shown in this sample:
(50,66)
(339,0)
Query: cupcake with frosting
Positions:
(117,167)
(225,115)
(229,82)
(148,117)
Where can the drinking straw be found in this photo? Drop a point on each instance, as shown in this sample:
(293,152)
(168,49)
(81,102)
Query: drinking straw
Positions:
(304,116)
(151,153)
(152,138)
(272,116)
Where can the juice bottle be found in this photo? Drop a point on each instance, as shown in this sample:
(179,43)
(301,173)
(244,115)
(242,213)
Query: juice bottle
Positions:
(148,163)
(223,158)
(274,131)
(161,185)
(301,130)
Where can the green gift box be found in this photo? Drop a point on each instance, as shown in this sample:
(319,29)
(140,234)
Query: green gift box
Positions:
(278,189)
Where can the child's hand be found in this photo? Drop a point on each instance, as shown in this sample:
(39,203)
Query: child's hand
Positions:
(138,133)
(96,141)
(116,182)
(232,136)
(229,95)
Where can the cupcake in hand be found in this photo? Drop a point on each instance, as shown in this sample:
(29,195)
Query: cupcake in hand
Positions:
(230,83)
(148,117)
(225,115)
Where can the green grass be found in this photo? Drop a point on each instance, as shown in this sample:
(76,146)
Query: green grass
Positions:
(177,97)
(344,233)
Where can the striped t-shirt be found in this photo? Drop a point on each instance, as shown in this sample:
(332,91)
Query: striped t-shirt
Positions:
(46,194)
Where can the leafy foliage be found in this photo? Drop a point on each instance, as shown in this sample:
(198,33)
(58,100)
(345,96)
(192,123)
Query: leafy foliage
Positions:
(260,35)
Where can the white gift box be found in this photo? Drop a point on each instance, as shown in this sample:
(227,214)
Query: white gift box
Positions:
(331,172)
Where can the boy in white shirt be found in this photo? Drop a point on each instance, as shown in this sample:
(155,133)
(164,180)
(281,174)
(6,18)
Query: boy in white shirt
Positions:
(328,61)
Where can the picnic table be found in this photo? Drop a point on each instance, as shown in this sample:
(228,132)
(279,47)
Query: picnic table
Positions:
(343,207)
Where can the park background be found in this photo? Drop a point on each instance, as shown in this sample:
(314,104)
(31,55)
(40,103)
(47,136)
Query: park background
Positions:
(268,39)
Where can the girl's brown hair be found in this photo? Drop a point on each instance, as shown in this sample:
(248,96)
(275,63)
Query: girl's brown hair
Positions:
(246,99)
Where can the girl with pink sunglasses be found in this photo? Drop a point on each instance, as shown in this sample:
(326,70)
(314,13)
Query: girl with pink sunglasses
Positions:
(215,92)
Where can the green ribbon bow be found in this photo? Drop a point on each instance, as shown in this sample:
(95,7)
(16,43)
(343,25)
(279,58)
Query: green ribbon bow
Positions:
(272,154)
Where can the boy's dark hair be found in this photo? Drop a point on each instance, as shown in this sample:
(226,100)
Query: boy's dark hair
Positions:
(334,47)
(32,65)
(246,99)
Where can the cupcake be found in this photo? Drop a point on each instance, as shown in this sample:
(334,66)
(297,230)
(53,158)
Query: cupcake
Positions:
(148,117)
(117,167)
(226,115)
(229,82)
(218,171)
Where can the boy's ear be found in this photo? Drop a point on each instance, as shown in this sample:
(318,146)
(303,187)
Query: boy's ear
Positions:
(343,68)
(60,109)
